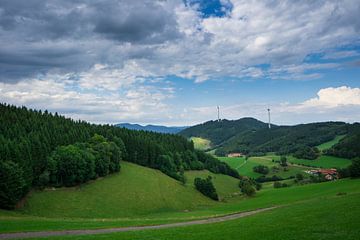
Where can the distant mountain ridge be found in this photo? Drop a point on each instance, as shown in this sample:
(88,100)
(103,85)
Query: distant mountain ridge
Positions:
(151,128)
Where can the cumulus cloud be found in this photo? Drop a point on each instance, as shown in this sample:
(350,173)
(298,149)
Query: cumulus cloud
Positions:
(335,97)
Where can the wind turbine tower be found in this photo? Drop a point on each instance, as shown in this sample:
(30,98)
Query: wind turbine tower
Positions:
(218,112)
(269,117)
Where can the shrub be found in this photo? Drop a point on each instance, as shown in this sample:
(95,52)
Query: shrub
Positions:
(206,187)
(261,169)
(354,168)
(280,185)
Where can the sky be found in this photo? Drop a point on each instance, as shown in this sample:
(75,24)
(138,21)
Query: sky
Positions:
(172,62)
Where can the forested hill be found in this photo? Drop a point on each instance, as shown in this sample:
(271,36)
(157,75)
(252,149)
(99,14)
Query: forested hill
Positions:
(253,137)
(152,128)
(220,131)
(39,149)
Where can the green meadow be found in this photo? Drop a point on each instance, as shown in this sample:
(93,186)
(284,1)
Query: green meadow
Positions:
(306,220)
(316,211)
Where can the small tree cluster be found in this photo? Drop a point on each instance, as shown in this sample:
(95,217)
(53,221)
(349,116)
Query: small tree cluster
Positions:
(206,187)
(248,186)
(306,152)
(283,161)
(263,179)
(261,169)
(78,163)
(280,185)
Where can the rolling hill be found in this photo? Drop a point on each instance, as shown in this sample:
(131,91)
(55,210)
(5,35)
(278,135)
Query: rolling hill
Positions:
(135,191)
(220,132)
(250,136)
(151,128)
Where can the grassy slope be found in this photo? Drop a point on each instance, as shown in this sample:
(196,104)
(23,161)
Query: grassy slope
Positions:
(10,221)
(332,217)
(234,162)
(201,143)
(226,186)
(134,191)
(322,162)
(329,144)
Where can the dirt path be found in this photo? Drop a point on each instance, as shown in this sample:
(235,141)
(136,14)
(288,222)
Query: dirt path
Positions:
(126,229)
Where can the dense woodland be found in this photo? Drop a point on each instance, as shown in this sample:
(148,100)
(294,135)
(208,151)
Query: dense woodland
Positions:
(35,147)
(349,146)
(253,137)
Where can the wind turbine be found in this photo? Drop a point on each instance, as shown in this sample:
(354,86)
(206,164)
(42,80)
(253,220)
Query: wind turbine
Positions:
(218,112)
(269,117)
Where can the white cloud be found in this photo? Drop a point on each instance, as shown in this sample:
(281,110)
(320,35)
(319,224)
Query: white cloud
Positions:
(136,103)
(334,97)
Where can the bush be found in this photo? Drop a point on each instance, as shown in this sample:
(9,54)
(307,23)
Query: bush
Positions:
(12,184)
(354,168)
(248,186)
(248,190)
(280,185)
(261,169)
(263,179)
(206,187)
(299,177)
(283,161)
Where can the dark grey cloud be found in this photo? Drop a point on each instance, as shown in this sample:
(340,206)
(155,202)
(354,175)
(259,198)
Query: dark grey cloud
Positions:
(38,36)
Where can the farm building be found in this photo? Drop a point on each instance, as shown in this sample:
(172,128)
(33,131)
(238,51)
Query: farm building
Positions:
(329,174)
(235,155)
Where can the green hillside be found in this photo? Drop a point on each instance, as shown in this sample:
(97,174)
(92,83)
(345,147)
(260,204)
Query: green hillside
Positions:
(219,132)
(349,146)
(40,149)
(250,136)
(135,191)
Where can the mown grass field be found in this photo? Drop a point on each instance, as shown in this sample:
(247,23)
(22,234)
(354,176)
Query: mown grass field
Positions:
(328,216)
(331,143)
(201,143)
(226,186)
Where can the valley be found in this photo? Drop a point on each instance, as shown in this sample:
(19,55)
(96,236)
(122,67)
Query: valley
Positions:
(131,184)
